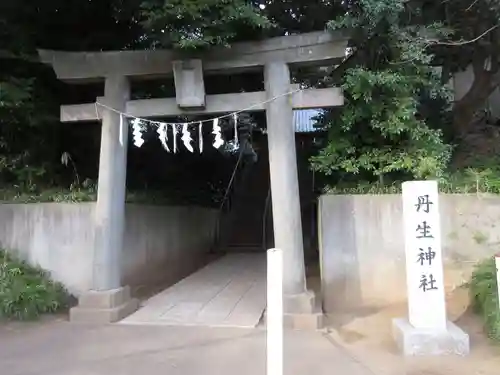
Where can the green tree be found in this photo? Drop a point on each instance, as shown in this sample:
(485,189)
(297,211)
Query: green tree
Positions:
(201,23)
(30,133)
(388,126)
(397,109)
(476,42)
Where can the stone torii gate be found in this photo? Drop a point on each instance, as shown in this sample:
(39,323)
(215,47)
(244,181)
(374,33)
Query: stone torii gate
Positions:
(109,300)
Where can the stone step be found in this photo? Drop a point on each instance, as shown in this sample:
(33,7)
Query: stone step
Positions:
(302,322)
(309,315)
(302,303)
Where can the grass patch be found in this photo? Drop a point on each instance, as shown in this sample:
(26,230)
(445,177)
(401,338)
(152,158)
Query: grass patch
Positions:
(46,196)
(28,292)
(484,297)
(79,195)
(469,181)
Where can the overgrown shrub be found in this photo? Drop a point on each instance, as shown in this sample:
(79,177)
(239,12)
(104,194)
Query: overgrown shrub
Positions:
(27,292)
(467,181)
(484,296)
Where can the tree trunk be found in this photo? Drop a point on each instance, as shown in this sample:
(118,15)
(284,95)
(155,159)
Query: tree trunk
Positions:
(485,82)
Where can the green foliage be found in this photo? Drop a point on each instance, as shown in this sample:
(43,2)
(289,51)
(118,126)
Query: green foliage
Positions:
(468,181)
(27,122)
(470,21)
(474,180)
(389,130)
(27,292)
(15,92)
(88,193)
(484,296)
(30,136)
(200,23)
(378,131)
(384,128)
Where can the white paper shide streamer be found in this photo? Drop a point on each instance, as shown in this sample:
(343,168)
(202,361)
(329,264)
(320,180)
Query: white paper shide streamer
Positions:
(186,138)
(218,142)
(174,131)
(123,128)
(139,126)
(200,136)
(163,136)
(137,132)
(235,120)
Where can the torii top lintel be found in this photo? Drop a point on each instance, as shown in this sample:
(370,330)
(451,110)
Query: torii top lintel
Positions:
(314,48)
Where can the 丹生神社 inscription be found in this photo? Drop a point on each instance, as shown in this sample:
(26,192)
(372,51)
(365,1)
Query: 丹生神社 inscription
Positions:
(424,265)
(426,331)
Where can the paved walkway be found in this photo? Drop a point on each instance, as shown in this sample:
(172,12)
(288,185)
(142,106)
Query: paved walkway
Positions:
(229,292)
(61,348)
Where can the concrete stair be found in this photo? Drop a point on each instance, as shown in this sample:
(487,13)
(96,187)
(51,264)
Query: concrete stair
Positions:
(308,316)
(304,322)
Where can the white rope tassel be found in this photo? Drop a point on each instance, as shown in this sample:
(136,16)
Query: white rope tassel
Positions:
(137,132)
(186,138)
(174,130)
(200,136)
(163,136)
(218,142)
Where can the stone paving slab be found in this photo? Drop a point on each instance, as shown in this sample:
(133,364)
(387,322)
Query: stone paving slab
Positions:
(229,292)
(62,348)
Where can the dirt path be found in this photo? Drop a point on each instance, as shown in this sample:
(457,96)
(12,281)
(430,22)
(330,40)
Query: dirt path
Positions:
(369,340)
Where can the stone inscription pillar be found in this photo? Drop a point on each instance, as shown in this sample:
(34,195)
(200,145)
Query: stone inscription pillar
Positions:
(426,331)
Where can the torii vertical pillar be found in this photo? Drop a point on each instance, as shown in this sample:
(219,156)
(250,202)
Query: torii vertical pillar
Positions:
(108,301)
(299,304)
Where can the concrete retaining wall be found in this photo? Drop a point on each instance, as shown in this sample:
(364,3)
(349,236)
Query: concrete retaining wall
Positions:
(362,246)
(162,244)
